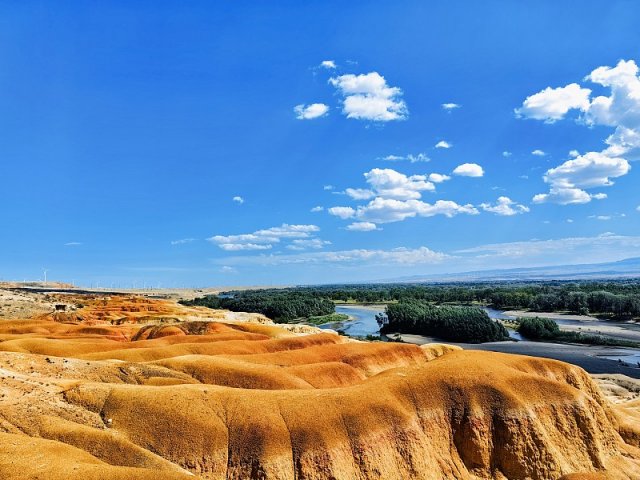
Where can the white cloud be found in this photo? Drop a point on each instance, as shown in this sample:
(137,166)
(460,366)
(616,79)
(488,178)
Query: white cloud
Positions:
(599,196)
(552,104)
(443,144)
(236,247)
(329,64)
(469,170)
(356,257)
(308,243)
(359,193)
(396,197)
(368,97)
(621,110)
(316,209)
(450,106)
(563,196)
(574,153)
(228,269)
(76,244)
(362,227)
(388,210)
(538,153)
(263,239)
(638,208)
(590,170)
(438,178)
(505,207)
(238,199)
(182,241)
(342,212)
(506,154)
(419,157)
(328,187)
(389,183)
(602,248)
(309,112)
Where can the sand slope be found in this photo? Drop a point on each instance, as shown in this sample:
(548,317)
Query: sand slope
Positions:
(160,399)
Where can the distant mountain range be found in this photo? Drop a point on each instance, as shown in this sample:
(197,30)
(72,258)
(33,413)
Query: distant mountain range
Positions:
(627,268)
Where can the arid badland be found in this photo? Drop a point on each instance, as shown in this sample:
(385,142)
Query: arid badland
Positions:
(128,387)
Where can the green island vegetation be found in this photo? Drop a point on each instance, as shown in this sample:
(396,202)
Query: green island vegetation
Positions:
(452,323)
(322,319)
(282,306)
(545,329)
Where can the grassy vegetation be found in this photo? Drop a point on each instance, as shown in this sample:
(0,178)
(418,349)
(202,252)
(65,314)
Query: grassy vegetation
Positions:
(545,329)
(322,319)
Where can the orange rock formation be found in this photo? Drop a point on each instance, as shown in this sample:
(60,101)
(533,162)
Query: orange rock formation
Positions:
(129,388)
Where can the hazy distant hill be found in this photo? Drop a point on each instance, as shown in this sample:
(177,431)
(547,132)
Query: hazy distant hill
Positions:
(627,268)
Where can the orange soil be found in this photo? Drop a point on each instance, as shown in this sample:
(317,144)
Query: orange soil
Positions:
(117,390)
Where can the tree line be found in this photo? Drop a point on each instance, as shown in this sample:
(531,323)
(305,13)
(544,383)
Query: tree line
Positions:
(282,306)
(615,299)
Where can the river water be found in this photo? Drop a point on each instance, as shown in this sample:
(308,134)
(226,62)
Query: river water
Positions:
(363,323)
(363,320)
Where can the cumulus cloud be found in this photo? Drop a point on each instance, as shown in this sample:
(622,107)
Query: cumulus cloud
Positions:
(362,227)
(566,196)
(569,180)
(450,106)
(506,154)
(590,170)
(538,153)
(438,178)
(369,97)
(342,212)
(413,158)
(309,112)
(388,210)
(359,193)
(329,64)
(238,199)
(504,207)
(552,104)
(263,239)
(316,209)
(469,170)
(443,144)
(620,110)
(389,183)
(328,187)
(394,196)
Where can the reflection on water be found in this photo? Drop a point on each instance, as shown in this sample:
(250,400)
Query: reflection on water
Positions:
(363,321)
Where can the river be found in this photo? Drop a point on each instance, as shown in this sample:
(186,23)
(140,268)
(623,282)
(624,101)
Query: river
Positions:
(362,322)
(594,359)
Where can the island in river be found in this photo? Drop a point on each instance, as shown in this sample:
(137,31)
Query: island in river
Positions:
(594,359)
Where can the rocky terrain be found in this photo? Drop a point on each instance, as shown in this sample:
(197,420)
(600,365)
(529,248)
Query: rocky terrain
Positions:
(127,387)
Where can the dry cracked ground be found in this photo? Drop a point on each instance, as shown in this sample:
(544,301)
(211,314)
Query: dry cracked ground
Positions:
(127,387)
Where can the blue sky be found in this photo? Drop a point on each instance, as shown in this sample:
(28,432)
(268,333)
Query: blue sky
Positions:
(187,144)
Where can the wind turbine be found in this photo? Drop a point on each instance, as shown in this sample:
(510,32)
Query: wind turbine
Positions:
(45,275)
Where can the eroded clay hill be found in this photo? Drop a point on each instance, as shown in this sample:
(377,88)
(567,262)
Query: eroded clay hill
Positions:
(133,388)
